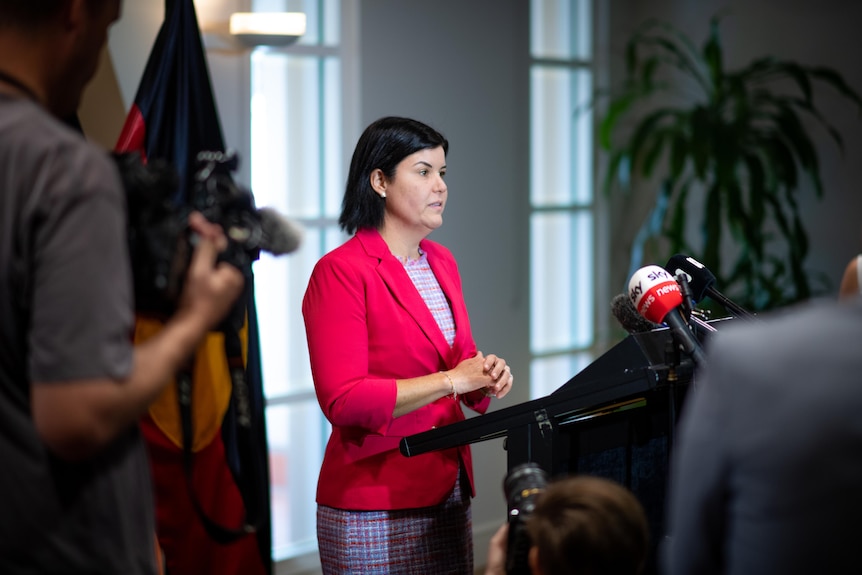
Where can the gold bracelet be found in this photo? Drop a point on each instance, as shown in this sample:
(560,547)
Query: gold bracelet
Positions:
(454,393)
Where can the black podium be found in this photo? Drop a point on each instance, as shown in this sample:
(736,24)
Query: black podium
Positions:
(614,419)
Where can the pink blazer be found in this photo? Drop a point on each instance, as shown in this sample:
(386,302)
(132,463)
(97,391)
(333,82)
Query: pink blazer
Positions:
(367,326)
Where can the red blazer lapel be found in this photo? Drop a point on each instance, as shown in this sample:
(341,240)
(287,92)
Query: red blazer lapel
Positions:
(394,275)
(446,272)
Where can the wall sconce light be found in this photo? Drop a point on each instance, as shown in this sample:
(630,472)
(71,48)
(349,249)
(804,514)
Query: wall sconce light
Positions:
(267,28)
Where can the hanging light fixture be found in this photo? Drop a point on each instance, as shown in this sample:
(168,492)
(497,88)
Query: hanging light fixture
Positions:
(267,28)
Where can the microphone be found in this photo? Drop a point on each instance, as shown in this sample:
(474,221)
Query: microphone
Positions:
(279,235)
(685,292)
(656,296)
(628,317)
(702,283)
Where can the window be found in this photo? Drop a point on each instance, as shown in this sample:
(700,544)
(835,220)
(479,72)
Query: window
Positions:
(297,167)
(562,202)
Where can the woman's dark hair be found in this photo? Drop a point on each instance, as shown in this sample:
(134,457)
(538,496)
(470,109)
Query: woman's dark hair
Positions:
(382,145)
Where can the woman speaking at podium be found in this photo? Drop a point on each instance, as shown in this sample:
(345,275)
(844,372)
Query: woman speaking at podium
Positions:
(392,355)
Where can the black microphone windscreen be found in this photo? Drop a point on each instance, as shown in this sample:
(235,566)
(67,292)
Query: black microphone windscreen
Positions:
(280,235)
(699,277)
(627,314)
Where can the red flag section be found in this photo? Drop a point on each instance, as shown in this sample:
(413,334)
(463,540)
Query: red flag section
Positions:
(173,118)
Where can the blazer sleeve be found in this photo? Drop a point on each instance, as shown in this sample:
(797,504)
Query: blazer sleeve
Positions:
(334,310)
(477,401)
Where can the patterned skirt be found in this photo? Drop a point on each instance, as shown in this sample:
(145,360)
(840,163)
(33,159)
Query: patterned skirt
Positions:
(427,541)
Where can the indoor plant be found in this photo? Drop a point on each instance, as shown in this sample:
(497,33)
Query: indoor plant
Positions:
(733,144)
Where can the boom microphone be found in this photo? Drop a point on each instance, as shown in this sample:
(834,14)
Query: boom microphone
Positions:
(656,296)
(279,235)
(628,316)
(702,283)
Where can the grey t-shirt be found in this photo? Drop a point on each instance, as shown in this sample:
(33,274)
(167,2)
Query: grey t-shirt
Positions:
(66,313)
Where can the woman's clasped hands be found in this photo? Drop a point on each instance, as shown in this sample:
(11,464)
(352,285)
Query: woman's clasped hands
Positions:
(489,373)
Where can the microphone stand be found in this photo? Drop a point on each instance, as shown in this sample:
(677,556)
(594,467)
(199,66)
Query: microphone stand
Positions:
(697,355)
(733,308)
(685,291)
(701,324)
(693,350)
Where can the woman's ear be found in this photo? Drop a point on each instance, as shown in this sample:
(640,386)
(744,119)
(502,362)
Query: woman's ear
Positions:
(378,182)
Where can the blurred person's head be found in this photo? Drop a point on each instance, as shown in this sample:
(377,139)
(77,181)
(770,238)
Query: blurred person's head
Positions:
(52,47)
(587,525)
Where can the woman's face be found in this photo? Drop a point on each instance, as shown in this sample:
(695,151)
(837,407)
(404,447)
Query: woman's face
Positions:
(416,195)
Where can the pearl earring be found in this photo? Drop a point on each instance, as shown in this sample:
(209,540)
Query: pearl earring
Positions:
(383,195)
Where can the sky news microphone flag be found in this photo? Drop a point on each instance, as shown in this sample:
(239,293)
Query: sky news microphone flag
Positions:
(223,475)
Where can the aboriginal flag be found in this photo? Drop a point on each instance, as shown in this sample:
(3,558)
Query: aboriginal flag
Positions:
(209,458)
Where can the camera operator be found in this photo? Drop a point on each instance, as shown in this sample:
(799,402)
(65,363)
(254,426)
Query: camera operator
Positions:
(75,486)
(580,525)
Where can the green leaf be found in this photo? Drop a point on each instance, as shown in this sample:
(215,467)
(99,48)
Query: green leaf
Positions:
(790,128)
(631,56)
(648,135)
(740,221)
(653,151)
(678,154)
(713,57)
(813,112)
(607,125)
(648,71)
(679,48)
(801,236)
(700,128)
(712,227)
(756,189)
(781,158)
(612,174)
(798,250)
(675,230)
(835,80)
(756,70)
(782,222)
(727,141)
(799,75)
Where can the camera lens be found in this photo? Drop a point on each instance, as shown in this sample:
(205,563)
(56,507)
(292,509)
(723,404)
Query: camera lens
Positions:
(521,486)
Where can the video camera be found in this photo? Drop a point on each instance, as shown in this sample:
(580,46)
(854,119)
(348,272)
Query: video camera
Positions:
(521,486)
(160,242)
